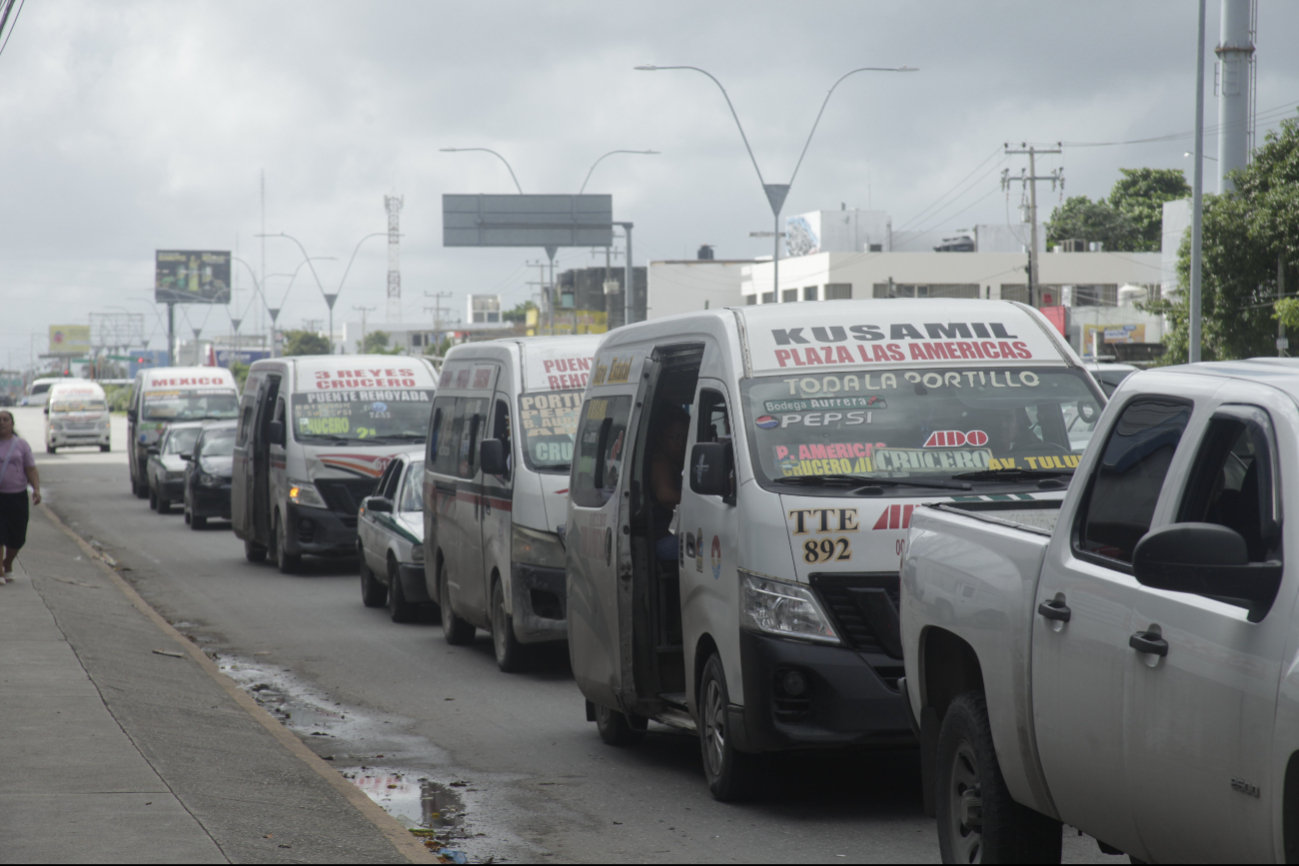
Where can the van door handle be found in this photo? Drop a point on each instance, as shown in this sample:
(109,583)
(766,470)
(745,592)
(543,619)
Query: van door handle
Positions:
(1056,610)
(1148,642)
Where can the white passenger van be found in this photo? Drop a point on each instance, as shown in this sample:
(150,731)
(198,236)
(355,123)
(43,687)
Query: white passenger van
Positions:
(496,485)
(76,414)
(162,395)
(814,430)
(39,391)
(315,433)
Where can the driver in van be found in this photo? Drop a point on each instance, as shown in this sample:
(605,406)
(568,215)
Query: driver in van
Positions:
(666,467)
(1015,432)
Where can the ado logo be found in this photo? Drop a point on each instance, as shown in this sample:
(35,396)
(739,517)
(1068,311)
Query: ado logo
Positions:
(955,439)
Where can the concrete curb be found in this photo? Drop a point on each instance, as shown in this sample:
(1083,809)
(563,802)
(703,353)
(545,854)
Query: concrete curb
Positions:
(409,846)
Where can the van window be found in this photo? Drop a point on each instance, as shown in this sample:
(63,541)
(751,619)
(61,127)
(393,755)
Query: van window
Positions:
(246,424)
(474,415)
(199,404)
(77,404)
(548,425)
(447,439)
(714,421)
(601,446)
(921,425)
(397,415)
(1125,489)
(501,430)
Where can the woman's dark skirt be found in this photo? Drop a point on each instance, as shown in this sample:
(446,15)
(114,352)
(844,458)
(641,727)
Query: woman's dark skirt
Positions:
(13,520)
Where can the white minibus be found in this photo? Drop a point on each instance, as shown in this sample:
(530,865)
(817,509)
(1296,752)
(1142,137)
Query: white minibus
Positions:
(162,395)
(76,414)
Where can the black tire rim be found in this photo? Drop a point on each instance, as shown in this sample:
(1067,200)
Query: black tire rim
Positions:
(963,792)
(714,732)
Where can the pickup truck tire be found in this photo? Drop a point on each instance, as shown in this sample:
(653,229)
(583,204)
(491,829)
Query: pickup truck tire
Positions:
(619,729)
(732,775)
(978,822)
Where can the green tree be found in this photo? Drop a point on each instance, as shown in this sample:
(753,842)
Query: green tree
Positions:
(1091,221)
(240,372)
(1140,195)
(519,313)
(376,343)
(1247,233)
(305,343)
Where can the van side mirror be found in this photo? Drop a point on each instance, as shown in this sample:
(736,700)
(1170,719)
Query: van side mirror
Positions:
(275,432)
(130,415)
(1207,559)
(491,456)
(712,470)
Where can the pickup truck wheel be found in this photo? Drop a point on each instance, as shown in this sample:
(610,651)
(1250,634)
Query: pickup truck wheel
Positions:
(457,631)
(509,652)
(373,593)
(619,729)
(732,775)
(398,607)
(978,822)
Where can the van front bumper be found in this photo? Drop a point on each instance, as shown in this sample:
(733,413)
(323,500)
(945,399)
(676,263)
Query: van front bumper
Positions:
(846,703)
(540,598)
(71,439)
(318,531)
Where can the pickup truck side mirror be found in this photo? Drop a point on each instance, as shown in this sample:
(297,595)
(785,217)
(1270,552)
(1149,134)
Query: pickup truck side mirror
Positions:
(379,504)
(276,432)
(1207,559)
(712,470)
(491,456)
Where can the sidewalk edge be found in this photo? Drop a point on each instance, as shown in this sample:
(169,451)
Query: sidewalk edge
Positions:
(401,838)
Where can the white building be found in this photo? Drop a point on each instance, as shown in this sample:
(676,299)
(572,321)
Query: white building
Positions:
(483,310)
(858,231)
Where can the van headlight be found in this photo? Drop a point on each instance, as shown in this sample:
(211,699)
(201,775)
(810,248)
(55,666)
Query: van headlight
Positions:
(531,547)
(305,493)
(782,608)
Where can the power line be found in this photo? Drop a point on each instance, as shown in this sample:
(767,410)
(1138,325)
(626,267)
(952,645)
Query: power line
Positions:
(1269,114)
(4,17)
(939,201)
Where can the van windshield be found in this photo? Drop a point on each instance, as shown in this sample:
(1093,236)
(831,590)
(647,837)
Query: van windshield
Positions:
(398,415)
(78,404)
(195,405)
(548,425)
(967,423)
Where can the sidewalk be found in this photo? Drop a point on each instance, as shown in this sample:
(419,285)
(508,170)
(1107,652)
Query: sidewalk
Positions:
(118,744)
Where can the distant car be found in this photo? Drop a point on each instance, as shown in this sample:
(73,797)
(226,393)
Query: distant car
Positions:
(390,541)
(166,467)
(207,475)
(1108,376)
(6,400)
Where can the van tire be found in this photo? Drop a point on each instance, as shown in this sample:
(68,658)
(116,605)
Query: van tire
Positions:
(196,523)
(50,449)
(140,490)
(1007,832)
(164,506)
(732,775)
(153,499)
(619,729)
(457,631)
(287,563)
(510,654)
(398,607)
(254,552)
(104,449)
(373,593)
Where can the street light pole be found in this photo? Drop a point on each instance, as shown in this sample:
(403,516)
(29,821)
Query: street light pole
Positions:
(611,153)
(1197,201)
(330,298)
(493,153)
(777,192)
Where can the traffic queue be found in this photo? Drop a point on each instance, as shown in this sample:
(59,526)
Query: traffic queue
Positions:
(711,510)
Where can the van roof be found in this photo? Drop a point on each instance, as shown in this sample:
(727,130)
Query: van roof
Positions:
(355,371)
(552,363)
(921,332)
(77,386)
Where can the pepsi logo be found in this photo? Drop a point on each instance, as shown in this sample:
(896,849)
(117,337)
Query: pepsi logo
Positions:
(766,422)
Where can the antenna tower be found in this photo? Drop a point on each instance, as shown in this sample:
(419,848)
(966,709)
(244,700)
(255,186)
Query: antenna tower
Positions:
(393,204)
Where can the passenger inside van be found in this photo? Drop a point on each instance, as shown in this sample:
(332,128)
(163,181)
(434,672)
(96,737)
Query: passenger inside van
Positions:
(666,469)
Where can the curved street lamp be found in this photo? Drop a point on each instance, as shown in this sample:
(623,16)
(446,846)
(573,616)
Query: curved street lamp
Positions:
(611,153)
(493,153)
(776,192)
(330,298)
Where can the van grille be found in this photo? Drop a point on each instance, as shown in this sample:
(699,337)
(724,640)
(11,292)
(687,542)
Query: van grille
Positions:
(864,607)
(344,495)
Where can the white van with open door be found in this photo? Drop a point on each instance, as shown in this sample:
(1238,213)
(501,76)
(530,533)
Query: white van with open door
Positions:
(496,488)
(315,433)
(760,609)
(76,414)
(162,395)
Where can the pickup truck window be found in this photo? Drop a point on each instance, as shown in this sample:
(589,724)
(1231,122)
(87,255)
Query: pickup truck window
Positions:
(1004,425)
(1125,488)
(1232,480)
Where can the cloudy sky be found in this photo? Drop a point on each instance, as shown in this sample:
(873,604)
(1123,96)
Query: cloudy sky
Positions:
(132,126)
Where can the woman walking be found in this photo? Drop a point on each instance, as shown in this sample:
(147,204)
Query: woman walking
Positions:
(17,470)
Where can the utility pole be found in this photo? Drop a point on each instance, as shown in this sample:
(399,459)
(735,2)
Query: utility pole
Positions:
(363,310)
(392,204)
(544,285)
(1031,179)
(629,280)
(1197,202)
(437,312)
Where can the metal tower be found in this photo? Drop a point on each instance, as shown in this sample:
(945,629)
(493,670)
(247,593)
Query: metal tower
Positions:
(393,204)
(1235,86)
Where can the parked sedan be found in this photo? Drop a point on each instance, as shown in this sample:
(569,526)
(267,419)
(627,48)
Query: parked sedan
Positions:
(166,467)
(207,475)
(390,541)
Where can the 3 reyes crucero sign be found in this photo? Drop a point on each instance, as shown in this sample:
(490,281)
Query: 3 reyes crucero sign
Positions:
(898,342)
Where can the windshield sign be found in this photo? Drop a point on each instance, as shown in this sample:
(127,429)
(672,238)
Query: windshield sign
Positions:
(78,404)
(921,424)
(549,425)
(200,403)
(362,415)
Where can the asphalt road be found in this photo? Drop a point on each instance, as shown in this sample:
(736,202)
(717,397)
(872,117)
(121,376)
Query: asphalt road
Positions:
(530,773)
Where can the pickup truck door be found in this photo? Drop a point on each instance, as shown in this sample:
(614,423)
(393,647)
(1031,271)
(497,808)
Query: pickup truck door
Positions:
(1201,718)
(1083,620)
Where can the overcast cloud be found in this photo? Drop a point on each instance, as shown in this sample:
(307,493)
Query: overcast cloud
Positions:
(132,126)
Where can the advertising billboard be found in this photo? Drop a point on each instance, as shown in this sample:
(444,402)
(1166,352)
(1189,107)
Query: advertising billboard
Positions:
(527,220)
(70,340)
(191,277)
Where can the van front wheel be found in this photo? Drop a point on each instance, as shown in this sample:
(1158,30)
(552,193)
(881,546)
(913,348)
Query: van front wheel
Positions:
(509,652)
(732,775)
(288,563)
(457,631)
(977,819)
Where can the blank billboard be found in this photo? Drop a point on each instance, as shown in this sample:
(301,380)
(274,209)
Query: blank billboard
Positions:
(191,277)
(527,220)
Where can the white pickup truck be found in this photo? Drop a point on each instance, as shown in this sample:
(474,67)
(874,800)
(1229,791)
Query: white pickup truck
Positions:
(1128,663)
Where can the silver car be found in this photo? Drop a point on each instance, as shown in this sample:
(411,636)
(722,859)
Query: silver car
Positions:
(390,541)
(166,467)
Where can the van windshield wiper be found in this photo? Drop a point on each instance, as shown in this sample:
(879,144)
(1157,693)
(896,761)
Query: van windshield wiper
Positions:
(1011,474)
(862,481)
